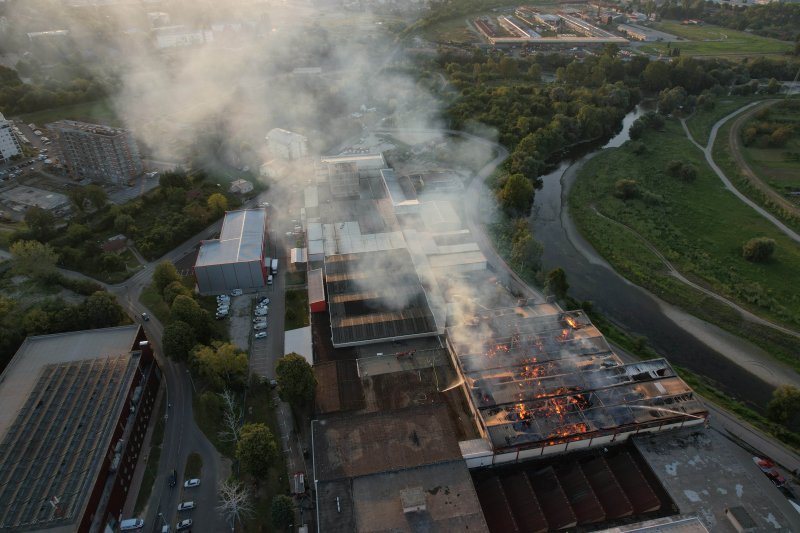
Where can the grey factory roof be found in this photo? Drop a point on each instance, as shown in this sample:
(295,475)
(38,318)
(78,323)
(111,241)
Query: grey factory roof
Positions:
(32,196)
(705,474)
(241,239)
(61,396)
(445,490)
(374,296)
(387,441)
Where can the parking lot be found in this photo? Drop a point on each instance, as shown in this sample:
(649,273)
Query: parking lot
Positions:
(264,352)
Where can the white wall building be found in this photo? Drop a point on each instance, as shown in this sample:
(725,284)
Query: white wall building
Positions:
(284,144)
(9,145)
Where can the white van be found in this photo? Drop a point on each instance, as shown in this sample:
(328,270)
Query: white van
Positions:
(269,279)
(131,524)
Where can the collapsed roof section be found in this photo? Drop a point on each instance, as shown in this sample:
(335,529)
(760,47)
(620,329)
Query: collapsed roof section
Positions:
(538,381)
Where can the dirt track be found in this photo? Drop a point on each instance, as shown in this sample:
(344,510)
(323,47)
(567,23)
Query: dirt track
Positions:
(735,141)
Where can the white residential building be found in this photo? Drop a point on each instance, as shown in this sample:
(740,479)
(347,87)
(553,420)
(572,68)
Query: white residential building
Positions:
(9,145)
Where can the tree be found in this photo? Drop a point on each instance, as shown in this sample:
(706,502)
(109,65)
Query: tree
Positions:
(173,290)
(688,172)
(256,449)
(123,223)
(164,274)
(626,189)
(41,222)
(282,511)
(296,381)
(221,364)
(758,249)
(178,340)
(556,283)
(232,415)
(32,258)
(217,202)
(516,195)
(100,310)
(234,501)
(785,404)
(655,76)
(96,196)
(525,251)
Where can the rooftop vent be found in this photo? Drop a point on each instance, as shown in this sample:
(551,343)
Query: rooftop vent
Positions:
(740,520)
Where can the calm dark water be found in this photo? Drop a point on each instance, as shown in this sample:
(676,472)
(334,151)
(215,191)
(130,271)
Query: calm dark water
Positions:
(625,304)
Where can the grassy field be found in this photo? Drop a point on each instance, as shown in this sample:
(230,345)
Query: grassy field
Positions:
(778,167)
(709,40)
(702,120)
(99,111)
(454,29)
(698,226)
(723,156)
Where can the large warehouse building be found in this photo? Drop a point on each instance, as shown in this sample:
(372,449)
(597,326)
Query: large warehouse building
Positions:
(236,259)
(75,411)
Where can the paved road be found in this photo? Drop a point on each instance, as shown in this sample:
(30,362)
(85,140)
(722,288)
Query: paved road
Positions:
(182,436)
(708,152)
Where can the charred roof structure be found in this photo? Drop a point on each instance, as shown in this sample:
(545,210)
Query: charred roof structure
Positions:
(549,383)
(376,296)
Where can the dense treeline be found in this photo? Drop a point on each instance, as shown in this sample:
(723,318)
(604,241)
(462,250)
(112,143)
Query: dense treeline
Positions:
(776,19)
(182,206)
(18,97)
(54,315)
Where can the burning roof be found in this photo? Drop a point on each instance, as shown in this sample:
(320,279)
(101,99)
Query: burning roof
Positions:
(538,381)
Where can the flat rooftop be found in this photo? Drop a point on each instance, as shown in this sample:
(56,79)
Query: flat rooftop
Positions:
(374,296)
(34,197)
(540,380)
(449,497)
(355,446)
(61,396)
(240,240)
(705,473)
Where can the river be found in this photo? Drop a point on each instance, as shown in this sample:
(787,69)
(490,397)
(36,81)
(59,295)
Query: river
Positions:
(673,333)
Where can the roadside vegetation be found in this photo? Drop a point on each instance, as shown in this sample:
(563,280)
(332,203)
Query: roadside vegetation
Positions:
(703,118)
(699,227)
(235,412)
(296,315)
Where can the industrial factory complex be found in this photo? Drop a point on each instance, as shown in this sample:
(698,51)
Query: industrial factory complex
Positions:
(446,403)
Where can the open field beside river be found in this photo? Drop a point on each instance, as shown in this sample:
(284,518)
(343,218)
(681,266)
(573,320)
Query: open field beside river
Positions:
(710,40)
(698,226)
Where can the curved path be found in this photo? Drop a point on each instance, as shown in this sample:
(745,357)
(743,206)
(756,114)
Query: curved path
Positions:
(735,142)
(707,151)
(675,273)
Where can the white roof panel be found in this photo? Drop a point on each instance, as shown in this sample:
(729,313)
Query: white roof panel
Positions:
(240,240)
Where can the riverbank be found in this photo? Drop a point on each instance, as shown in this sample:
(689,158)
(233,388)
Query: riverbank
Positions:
(740,352)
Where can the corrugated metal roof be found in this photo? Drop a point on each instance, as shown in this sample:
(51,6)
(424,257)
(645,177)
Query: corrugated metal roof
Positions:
(241,239)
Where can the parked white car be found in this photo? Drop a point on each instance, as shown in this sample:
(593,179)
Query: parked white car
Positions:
(237,292)
(260,335)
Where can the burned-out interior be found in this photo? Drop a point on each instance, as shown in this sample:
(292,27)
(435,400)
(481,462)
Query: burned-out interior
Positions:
(540,380)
